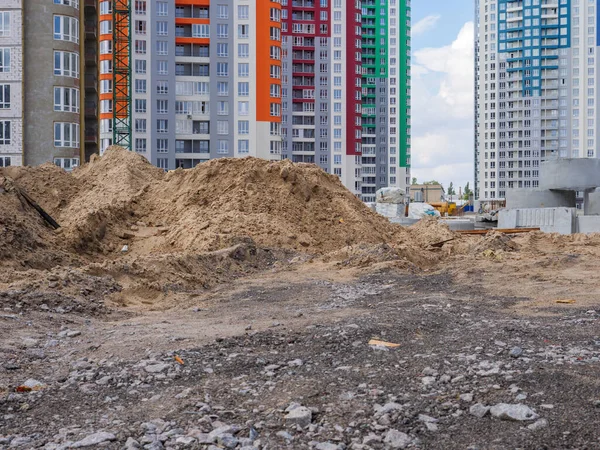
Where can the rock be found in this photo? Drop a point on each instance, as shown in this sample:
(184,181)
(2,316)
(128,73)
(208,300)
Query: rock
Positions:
(227,440)
(285,435)
(371,439)
(479,410)
(30,342)
(431,426)
(427,419)
(515,352)
(225,429)
(327,446)
(547,406)
(300,416)
(132,444)
(73,333)
(125,248)
(538,425)
(34,384)
(396,439)
(466,397)
(388,407)
(517,412)
(295,363)
(11,366)
(23,441)
(156,368)
(94,439)
(427,381)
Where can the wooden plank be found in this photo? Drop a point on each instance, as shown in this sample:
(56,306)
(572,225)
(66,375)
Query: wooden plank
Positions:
(499,230)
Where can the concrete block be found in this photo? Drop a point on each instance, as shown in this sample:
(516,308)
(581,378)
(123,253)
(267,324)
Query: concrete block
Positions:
(549,220)
(588,224)
(570,174)
(455,224)
(539,198)
(592,203)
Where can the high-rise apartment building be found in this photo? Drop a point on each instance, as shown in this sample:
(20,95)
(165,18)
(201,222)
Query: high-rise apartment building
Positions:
(346,93)
(319,81)
(46,77)
(205,79)
(536,71)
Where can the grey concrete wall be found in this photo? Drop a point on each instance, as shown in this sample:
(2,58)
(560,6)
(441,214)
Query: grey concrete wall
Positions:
(529,198)
(593,203)
(40,80)
(570,174)
(549,220)
(588,224)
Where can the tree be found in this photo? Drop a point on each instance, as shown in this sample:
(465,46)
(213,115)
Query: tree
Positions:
(432,182)
(451,190)
(468,192)
(414,180)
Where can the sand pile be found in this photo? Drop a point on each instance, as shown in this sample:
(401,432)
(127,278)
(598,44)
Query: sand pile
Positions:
(121,199)
(25,239)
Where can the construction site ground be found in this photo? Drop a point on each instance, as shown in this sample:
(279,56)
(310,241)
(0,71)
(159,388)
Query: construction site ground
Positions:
(260,329)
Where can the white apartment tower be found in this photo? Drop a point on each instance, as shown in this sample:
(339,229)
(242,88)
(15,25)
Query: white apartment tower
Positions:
(536,70)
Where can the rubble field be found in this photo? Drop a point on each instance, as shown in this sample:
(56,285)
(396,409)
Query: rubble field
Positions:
(247,304)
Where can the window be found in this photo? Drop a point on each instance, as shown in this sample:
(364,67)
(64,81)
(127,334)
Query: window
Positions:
(66,163)
(222,50)
(223,88)
(162,87)
(243,50)
(243,31)
(73,3)
(162,9)
(243,127)
(140,86)
(140,7)
(243,146)
(4,59)
(66,29)
(66,64)
(243,12)
(200,30)
(5,23)
(222,127)
(5,126)
(162,163)
(66,99)
(243,89)
(162,48)
(222,108)
(222,30)
(140,27)
(140,66)
(140,125)
(243,69)
(163,68)
(4,96)
(222,69)
(105,7)
(223,147)
(140,105)
(223,11)
(162,106)
(162,126)
(162,28)
(140,47)
(5,162)
(162,145)
(140,145)
(66,134)
(243,108)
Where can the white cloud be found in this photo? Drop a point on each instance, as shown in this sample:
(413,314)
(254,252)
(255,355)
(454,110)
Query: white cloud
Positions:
(425,24)
(442,111)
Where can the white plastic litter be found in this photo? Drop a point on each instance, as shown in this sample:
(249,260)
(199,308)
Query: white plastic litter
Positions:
(391,195)
(421,210)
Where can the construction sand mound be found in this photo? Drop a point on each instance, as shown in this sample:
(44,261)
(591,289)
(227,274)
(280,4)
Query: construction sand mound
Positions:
(121,199)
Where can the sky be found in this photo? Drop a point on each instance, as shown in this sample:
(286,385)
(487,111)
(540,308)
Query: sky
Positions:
(442,91)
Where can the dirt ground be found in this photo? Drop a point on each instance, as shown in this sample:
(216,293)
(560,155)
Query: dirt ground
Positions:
(240,344)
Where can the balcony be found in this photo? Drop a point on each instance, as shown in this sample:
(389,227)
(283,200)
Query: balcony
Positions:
(91,109)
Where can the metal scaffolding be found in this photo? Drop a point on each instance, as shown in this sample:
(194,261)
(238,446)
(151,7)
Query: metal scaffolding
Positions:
(122,73)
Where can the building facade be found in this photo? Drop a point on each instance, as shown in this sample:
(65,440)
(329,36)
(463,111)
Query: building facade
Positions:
(316,81)
(536,71)
(205,80)
(43,82)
